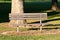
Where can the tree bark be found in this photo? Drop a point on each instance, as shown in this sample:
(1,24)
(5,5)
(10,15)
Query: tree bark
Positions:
(54,5)
(17,9)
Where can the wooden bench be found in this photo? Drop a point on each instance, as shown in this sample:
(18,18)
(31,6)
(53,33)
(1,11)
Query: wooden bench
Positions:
(29,16)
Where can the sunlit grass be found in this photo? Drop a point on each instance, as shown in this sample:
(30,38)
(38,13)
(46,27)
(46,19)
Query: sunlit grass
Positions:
(38,37)
(5,1)
(7,29)
(55,22)
(29,21)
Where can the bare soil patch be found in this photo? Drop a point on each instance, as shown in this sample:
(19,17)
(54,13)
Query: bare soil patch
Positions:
(31,32)
(28,32)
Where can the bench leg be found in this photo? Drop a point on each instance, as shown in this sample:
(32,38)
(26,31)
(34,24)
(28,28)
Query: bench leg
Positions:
(40,24)
(40,28)
(17,29)
(25,23)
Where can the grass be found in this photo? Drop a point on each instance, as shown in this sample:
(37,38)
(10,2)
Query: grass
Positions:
(53,16)
(5,1)
(33,37)
(55,22)
(53,19)
(24,29)
(7,29)
(38,37)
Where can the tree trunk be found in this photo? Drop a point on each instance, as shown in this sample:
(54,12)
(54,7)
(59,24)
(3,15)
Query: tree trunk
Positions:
(54,5)
(17,9)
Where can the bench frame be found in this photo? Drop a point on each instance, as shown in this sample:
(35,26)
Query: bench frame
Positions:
(28,16)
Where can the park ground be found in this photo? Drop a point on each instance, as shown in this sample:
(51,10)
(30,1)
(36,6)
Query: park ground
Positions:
(49,32)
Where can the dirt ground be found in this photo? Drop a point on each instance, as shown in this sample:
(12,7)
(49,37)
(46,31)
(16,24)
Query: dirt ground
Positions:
(29,32)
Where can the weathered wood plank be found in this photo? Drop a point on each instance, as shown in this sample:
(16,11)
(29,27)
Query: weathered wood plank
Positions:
(35,16)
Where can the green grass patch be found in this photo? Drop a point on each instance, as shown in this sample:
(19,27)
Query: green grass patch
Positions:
(6,29)
(5,1)
(53,16)
(38,37)
(24,29)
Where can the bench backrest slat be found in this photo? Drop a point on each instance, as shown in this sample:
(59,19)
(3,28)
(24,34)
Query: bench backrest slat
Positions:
(28,16)
(41,16)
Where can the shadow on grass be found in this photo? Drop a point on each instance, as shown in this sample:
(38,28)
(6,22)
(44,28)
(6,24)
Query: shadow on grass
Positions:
(43,28)
(36,7)
(53,25)
(5,9)
(29,7)
(45,21)
(51,20)
(56,25)
(52,13)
